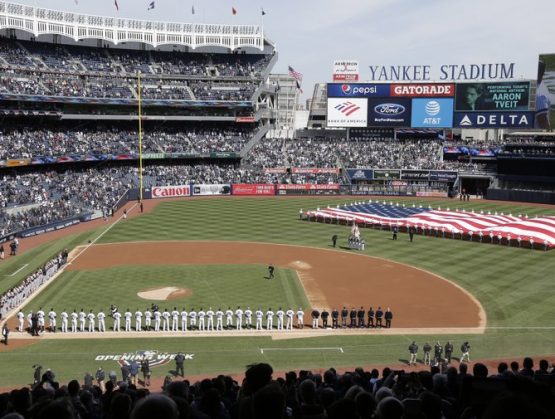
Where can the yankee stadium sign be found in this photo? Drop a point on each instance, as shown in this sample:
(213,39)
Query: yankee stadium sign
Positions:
(494,71)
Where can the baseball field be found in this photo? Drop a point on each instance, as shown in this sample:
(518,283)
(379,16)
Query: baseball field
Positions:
(214,252)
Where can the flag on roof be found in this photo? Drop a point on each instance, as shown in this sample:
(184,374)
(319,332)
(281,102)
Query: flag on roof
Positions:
(540,230)
(263,12)
(233,11)
(116,4)
(295,74)
(151,6)
(193,9)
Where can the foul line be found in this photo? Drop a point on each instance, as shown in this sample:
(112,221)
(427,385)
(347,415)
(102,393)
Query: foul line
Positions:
(333,348)
(19,270)
(100,235)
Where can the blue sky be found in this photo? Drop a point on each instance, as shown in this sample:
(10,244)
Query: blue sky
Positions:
(311,34)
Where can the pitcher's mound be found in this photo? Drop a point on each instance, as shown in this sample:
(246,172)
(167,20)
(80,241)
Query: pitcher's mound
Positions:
(164,293)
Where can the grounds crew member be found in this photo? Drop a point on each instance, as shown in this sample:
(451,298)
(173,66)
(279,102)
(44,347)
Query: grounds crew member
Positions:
(379,316)
(353,317)
(179,361)
(360,317)
(413,351)
(344,314)
(427,349)
(334,240)
(448,351)
(334,318)
(370,315)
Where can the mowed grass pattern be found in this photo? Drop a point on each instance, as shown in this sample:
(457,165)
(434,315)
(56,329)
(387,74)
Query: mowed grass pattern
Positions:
(216,286)
(515,286)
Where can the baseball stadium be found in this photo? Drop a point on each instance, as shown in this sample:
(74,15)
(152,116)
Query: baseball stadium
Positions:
(181,237)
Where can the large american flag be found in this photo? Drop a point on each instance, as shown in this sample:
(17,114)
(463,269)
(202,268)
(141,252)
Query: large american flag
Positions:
(538,230)
(295,74)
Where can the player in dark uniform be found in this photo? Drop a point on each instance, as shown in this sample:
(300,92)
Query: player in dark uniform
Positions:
(438,351)
(448,351)
(334,318)
(379,316)
(388,317)
(325,315)
(370,315)
(271,271)
(344,314)
(353,317)
(360,317)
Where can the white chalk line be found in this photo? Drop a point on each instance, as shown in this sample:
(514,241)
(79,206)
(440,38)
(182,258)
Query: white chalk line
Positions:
(331,348)
(20,269)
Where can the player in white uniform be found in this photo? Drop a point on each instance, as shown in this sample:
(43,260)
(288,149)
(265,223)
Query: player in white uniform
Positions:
(228,318)
(290,313)
(40,315)
(64,317)
(91,318)
(192,318)
(239,318)
(30,319)
(259,315)
(280,315)
(21,320)
(127,315)
(166,320)
(74,317)
(248,318)
(138,320)
(184,315)
(220,319)
(269,319)
(300,318)
(210,315)
(175,320)
(82,319)
(101,321)
(157,316)
(117,321)
(148,319)
(201,319)
(52,320)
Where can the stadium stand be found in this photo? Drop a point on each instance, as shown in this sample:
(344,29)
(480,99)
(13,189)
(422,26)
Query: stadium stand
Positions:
(441,392)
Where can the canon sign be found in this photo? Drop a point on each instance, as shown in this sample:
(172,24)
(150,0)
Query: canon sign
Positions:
(171,191)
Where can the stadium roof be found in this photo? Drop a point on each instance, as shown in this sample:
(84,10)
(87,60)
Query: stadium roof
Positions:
(40,21)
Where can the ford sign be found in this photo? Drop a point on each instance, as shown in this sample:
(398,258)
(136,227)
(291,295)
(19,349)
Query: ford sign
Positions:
(387,109)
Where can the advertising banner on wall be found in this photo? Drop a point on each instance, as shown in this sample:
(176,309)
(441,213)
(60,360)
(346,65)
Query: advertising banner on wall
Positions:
(432,113)
(387,174)
(360,174)
(345,70)
(415,174)
(253,189)
(423,90)
(358,90)
(389,112)
(315,170)
(509,96)
(545,92)
(218,189)
(347,112)
(443,176)
(509,119)
(170,191)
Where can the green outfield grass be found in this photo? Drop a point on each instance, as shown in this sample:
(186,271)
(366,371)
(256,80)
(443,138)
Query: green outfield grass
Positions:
(515,286)
(211,285)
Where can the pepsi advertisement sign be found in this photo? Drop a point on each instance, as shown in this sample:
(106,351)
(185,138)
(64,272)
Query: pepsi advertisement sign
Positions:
(389,112)
(513,119)
(358,90)
(432,113)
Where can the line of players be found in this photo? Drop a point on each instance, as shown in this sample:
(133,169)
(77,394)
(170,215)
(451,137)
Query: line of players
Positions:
(184,320)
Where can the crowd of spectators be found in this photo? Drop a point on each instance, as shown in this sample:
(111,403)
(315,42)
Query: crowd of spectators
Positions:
(20,141)
(36,68)
(510,392)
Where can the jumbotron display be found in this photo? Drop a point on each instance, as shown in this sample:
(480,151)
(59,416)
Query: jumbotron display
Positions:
(430,105)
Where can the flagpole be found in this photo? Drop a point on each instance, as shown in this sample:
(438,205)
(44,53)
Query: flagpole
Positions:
(140,138)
